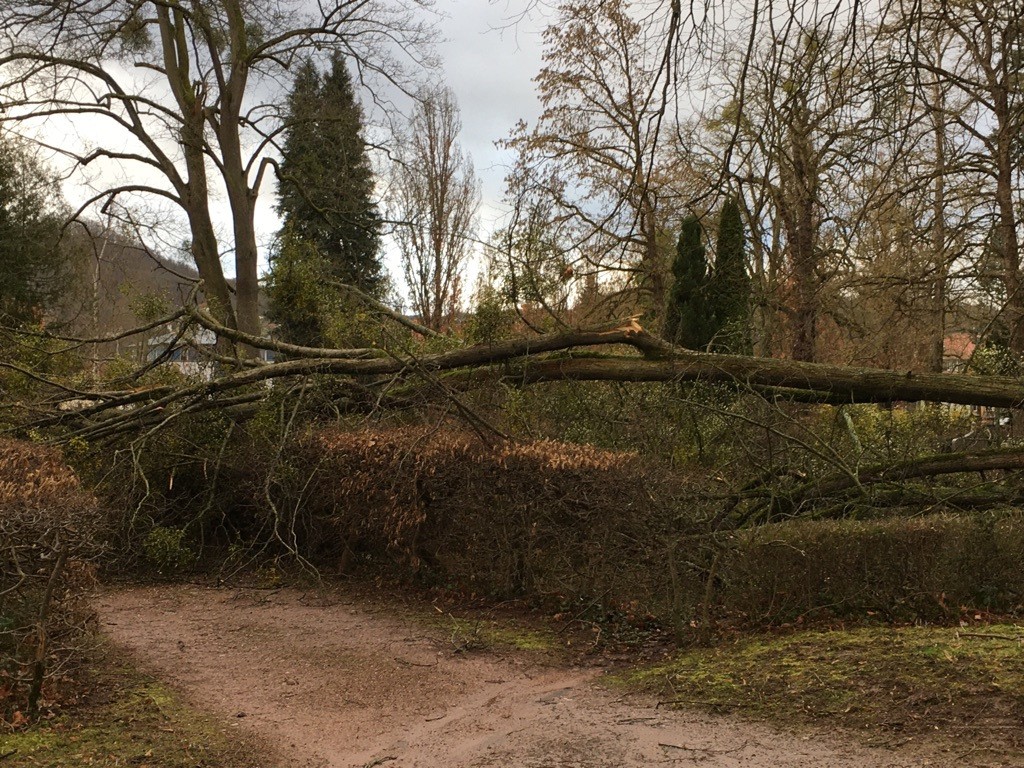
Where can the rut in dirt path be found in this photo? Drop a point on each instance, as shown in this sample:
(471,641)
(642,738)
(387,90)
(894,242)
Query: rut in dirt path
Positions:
(338,683)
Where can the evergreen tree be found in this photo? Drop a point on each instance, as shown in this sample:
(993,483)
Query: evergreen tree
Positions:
(326,196)
(688,318)
(729,290)
(300,302)
(33,270)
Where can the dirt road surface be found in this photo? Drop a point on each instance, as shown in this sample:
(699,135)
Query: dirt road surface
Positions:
(341,682)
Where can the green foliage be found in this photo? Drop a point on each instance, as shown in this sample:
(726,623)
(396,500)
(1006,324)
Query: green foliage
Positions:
(729,289)
(326,201)
(208,483)
(26,349)
(147,307)
(994,357)
(689,319)
(678,426)
(32,267)
(308,310)
(491,319)
(166,550)
(300,303)
(874,434)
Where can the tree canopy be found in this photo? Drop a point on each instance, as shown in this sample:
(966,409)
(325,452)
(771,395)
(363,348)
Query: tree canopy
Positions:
(326,191)
(32,267)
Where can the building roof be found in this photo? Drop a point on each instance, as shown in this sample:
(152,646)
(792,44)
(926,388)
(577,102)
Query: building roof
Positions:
(958,346)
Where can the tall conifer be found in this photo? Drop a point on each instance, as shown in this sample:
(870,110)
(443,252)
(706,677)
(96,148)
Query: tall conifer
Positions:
(327,189)
(326,200)
(688,317)
(729,290)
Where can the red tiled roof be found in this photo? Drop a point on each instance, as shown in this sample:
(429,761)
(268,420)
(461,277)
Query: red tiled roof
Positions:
(958,345)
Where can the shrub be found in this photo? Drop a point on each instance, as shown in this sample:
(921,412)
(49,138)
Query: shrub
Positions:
(166,550)
(583,525)
(540,517)
(902,569)
(50,530)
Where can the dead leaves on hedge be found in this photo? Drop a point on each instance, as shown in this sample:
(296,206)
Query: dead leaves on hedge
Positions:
(49,529)
(448,498)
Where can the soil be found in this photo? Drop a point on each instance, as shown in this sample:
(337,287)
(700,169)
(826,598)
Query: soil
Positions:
(342,681)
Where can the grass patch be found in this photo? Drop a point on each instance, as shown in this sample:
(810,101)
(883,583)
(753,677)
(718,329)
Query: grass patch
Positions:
(482,634)
(907,681)
(125,718)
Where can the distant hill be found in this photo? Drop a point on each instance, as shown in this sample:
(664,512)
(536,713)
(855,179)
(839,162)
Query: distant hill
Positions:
(118,284)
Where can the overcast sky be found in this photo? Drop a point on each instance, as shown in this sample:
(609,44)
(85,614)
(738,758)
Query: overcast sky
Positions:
(490,54)
(490,66)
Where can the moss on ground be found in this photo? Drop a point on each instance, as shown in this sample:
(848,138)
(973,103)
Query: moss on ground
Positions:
(481,634)
(125,718)
(900,681)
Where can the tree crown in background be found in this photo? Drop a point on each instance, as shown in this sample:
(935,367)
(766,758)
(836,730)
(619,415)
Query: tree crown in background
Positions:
(327,184)
(32,267)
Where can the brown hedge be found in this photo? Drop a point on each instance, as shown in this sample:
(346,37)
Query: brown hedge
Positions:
(50,529)
(43,508)
(35,475)
(540,516)
(555,519)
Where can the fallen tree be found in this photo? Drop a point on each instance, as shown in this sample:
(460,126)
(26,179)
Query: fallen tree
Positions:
(254,482)
(372,377)
(771,499)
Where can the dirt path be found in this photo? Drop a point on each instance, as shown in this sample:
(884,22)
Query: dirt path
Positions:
(337,683)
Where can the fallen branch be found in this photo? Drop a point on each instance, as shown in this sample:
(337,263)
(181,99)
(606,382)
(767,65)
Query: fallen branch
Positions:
(261,342)
(383,309)
(928,466)
(550,357)
(991,636)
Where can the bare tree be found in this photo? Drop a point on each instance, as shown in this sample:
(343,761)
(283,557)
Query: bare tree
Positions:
(803,134)
(969,54)
(435,197)
(187,96)
(592,155)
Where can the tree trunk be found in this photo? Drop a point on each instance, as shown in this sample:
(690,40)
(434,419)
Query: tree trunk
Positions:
(800,197)
(936,350)
(664,362)
(928,466)
(1006,228)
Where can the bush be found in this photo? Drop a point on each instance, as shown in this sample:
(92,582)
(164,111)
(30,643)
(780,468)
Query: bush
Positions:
(50,530)
(540,517)
(902,569)
(166,550)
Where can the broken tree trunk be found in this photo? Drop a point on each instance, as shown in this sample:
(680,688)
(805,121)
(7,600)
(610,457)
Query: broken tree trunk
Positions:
(527,360)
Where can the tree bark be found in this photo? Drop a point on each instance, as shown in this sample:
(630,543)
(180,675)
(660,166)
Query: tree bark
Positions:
(664,362)
(928,466)
(849,385)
